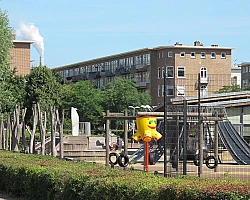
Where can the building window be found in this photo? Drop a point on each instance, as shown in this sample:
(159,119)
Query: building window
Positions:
(162,71)
(138,60)
(159,55)
(180,90)
(159,72)
(213,55)
(203,55)
(203,73)
(170,54)
(122,62)
(182,54)
(203,90)
(223,55)
(170,72)
(170,90)
(192,55)
(162,90)
(181,72)
(159,90)
(234,80)
(146,59)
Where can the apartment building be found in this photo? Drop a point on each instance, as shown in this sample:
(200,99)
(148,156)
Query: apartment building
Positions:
(178,66)
(236,75)
(20,57)
(245,75)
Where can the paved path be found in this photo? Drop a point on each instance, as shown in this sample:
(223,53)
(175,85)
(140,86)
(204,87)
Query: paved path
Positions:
(4,197)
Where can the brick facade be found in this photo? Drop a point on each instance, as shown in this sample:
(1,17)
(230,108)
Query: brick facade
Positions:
(149,76)
(20,57)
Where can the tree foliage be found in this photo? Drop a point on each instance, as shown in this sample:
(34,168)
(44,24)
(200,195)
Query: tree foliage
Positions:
(8,100)
(86,99)
(121,93)
(42,87)
(230,88)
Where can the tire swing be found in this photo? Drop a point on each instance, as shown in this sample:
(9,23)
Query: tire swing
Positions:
(196,160)
(111,155)
(151,158)
(211,162)
(123,160)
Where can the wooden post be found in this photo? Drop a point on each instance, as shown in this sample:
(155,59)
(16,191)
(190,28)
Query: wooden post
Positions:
(107,140)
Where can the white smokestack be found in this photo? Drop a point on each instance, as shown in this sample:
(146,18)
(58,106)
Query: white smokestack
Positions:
(41,61)
(30,32)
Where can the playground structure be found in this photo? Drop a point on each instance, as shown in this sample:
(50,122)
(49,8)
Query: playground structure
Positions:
(193,134)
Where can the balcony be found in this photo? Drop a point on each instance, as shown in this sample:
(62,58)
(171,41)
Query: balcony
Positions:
(109,73)
(122,70)
(81,77)
(141,67)
(141,84)
(92,75)
(204,80)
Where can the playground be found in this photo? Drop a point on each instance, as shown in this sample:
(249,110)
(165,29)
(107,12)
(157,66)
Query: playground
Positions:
(192,134)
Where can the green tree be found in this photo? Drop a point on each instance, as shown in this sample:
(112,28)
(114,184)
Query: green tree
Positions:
(42,87)
(17,87)
(8,100)
(229,88)
(87,99)
(121,93)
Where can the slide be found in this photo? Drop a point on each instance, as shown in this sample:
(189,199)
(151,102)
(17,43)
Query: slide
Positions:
(236,145)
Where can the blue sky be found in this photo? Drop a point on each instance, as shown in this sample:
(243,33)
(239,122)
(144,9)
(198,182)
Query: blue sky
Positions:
(79,30)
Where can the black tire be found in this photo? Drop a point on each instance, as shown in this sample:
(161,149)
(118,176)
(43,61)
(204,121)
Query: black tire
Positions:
(213,164)
(123,160)
(196,160)
(113,154)
(151,158)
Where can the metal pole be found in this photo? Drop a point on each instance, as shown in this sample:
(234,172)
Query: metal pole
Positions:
(107,140)
(185,137)
(126,133)
(146,157)
(165,127)
(216,143)
(133,128)
(200,135)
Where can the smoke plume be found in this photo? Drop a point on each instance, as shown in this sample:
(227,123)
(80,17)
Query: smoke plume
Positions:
(31,32)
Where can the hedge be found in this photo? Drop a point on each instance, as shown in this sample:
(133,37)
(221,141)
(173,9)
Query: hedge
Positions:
(43,177)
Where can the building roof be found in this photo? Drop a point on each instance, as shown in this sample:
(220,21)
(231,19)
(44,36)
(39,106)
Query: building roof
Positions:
(101,59)
(23,41)
(231,99)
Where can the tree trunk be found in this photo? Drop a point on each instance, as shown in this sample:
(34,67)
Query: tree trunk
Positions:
(1,135)
(23,130)
(42,128)
(60,132)
(8,141)
(53,131)
(32,134)
(15,129)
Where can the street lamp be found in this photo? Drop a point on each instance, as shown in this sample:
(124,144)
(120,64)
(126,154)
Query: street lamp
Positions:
(133,125)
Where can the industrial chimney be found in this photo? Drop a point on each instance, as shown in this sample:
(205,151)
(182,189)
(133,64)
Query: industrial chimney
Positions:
(41,60)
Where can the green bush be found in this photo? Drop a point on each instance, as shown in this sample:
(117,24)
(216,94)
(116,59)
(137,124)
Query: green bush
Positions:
(44,177)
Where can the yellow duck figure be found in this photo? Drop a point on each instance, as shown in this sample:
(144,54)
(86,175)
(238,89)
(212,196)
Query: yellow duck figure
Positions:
(146,129)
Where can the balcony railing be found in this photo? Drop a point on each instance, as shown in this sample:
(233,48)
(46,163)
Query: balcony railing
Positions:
(204,80)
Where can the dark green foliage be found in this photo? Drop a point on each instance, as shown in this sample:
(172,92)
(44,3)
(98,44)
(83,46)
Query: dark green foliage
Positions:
(86,99)
(7,96)
(121,93)
(44,177)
